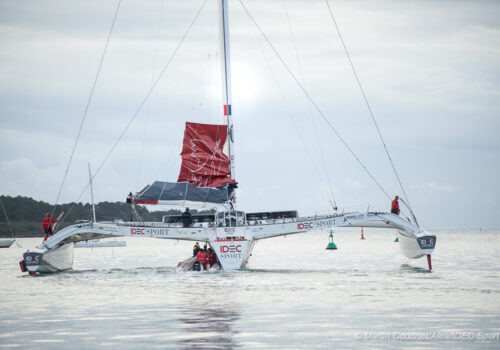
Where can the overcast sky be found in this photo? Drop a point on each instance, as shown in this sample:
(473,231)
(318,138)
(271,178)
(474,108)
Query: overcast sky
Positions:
(430,70)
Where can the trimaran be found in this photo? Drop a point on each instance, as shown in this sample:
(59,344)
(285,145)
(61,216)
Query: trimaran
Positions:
(206,176)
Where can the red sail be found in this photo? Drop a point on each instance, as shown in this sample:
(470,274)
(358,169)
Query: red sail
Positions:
(204,163)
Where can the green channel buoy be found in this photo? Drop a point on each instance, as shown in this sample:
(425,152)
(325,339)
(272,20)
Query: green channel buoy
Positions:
(331,245)
(396,240)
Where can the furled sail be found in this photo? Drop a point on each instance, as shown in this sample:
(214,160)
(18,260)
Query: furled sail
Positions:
(180,193)
(205,173)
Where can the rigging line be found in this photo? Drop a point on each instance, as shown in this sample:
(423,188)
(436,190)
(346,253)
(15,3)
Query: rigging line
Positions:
(139,168)
(291,115)
(322,153)
(141,104)
(162,190)
(6,218)
(367,103)
(313,102)
(213,103)
(199,101)
(88,105)
(165,182)
(162,169)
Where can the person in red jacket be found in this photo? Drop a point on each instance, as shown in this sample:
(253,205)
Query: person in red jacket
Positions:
(202,258)
(47,226)
(395,206)
(212,257)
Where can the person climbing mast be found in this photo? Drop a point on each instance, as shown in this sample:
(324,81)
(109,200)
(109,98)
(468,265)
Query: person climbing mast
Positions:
(395,206)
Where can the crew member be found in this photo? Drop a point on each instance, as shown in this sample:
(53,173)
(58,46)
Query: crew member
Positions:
(196,248)
(187,220)
(202,258)
(130,198)
(395,206)
(212,257)
(47,226)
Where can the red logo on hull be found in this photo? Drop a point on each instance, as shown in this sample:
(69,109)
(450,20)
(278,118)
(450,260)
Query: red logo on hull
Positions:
(305,225)
(230,248)
(137,231)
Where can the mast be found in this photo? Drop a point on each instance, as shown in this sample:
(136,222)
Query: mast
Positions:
(92,193)
(226,79)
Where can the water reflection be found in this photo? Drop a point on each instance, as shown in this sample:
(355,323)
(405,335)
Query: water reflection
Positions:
(409,268)
(208,324)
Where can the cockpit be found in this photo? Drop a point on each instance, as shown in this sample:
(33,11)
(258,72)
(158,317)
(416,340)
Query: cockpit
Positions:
(230,218)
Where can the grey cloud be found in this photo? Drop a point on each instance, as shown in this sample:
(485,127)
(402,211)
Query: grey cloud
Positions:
(430,70)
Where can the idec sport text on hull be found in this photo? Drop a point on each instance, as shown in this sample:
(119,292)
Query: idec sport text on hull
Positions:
(230,256)
(148,231)
(318,224)
(136,231)
(230,249)
(305,225)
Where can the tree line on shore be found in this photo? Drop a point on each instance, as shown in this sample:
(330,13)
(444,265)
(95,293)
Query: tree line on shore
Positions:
(26,214)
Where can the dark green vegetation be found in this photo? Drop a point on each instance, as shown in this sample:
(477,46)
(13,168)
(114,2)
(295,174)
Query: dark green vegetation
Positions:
(26,214)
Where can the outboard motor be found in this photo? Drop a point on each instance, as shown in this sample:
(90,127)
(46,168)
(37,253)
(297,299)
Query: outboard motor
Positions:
(196,266)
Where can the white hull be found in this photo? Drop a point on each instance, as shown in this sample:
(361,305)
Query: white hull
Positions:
(233,245)
(411,246)
(6,243)
(233,254)
(51,260)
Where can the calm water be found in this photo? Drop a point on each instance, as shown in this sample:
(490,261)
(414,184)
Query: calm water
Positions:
(294,295)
